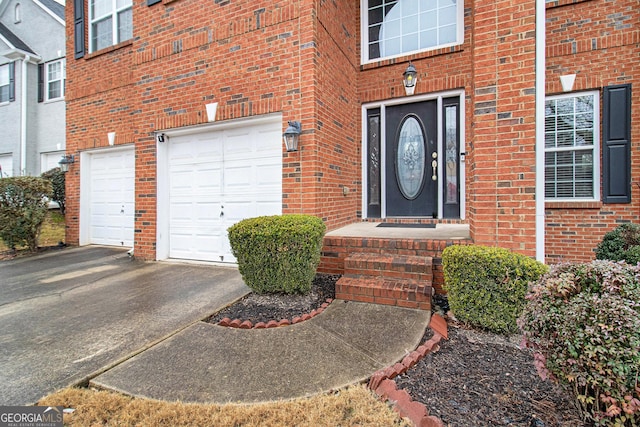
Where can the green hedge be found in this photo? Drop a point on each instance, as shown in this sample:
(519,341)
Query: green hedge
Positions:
(278,254)
(621,244)
(583,322)
(23,207)
(486,286)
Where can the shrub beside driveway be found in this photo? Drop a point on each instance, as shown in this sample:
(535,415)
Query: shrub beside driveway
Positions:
(52,232)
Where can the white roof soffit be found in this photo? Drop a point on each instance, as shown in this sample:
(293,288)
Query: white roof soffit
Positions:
(14,54)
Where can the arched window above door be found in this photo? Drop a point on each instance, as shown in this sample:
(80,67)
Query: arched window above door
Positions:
(399,27)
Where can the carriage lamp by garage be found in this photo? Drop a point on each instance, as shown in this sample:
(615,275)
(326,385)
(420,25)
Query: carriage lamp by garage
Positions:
(65,161)
(291,136)
(409,79)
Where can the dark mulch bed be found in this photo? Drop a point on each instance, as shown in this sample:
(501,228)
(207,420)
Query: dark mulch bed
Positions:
(263,308)
(482,379)
(475,379)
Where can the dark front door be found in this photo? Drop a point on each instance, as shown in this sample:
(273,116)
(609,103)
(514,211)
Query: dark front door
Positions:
(411,154)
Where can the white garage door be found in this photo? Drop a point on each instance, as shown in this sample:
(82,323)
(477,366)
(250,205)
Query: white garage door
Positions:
(110,207)
(6,165)
(49,161)
(217,178)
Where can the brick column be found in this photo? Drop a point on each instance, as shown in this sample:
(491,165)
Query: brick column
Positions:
(502,147)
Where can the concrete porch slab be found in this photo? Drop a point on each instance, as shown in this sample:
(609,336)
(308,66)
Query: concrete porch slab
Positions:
(370,229)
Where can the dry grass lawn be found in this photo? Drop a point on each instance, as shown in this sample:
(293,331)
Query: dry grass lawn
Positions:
(354,406)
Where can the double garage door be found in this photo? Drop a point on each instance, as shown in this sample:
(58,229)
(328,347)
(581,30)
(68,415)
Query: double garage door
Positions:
(215,179)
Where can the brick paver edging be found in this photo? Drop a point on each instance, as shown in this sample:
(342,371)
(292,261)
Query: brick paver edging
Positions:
(385,387)
(246,324)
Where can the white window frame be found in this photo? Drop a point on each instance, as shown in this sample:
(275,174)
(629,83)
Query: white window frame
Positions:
(8,83)
(364,31)
(113,14)
(595,147)
(62,80)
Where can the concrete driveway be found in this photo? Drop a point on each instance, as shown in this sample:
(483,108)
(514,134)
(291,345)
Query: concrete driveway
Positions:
(68,315)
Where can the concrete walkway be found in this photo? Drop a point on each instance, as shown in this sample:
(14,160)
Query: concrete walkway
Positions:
(345,344)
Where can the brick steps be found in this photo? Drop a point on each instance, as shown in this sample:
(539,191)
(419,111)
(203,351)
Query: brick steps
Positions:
(400,280)
(337,249)
(389,266)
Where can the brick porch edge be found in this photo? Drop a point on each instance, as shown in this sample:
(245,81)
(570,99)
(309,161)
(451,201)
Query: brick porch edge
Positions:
(385,387)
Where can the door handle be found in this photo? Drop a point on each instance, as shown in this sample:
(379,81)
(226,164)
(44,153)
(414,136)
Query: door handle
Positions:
(434,165)
(221,211)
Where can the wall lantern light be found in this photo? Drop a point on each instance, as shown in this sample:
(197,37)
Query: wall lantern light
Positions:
(291,136)
(409,79)
(65,162)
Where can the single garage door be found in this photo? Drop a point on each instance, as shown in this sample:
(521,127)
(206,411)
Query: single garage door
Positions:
(6,165)
(109,210)
(217,178)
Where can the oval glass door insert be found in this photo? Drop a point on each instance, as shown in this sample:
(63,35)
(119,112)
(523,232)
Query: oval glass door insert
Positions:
(410,160)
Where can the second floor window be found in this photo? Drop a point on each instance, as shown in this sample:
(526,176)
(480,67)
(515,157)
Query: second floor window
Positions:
(55,79)
(398,27)
(111,22)
(6,82)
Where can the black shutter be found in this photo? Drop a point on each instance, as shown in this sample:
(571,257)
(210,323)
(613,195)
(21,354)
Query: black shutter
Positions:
(12,81)
(616,144)
(40,82)
(78,28)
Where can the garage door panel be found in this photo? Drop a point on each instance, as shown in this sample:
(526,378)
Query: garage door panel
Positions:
(238,177)
(235,174)
(181,211)
(209,179)
(238,141)
(203,245)
(268,207)
(181,179)
(269,172)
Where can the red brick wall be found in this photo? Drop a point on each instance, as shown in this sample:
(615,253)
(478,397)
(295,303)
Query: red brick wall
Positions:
(495,67)
(302,59)
(336,175)
(502,145)
(599,41)
(252,57)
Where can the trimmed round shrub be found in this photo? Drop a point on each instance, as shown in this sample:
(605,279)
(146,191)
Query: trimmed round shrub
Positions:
(583,322)
(486,286)
(57,179)
(278,254)
(621,244)
(23,207)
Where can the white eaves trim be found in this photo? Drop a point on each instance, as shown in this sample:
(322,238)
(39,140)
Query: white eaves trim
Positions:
(53,15)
